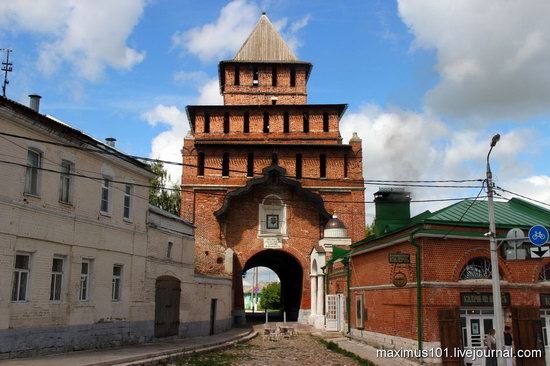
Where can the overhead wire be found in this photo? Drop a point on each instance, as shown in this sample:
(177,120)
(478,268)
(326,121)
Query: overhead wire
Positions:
(379,182)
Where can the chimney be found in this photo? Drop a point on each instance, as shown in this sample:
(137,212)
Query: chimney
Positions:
(110,141)
(392,209)
(35,102)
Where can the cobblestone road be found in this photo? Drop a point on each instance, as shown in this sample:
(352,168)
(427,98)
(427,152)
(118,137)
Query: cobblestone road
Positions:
(300,350)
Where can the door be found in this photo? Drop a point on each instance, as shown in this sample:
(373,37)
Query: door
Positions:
(213,305)
(527,334)
(332,313)
(167,306)
(476,324)
(449,334)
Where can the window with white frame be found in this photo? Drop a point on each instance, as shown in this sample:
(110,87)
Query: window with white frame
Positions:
(34,162)
(65,181)
(21,277)
(272,217)
(128,192)
(117,278)
(56,279)
(85,272)
(106,195)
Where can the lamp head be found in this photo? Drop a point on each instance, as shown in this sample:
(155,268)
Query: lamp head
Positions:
(495,139)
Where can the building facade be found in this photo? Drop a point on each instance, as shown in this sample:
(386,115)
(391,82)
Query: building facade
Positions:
(432,289)
(264,172)
(85,262)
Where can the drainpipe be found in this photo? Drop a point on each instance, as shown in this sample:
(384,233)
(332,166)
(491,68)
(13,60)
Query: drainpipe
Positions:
(418,264)
(348,297)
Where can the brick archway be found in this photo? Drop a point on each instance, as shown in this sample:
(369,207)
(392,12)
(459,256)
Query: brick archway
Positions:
(290,272)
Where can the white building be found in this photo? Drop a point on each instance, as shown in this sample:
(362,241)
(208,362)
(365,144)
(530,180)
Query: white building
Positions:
(85,262)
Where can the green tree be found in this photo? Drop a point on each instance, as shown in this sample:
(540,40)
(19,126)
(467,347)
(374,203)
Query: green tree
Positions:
(159,195)
(271,296)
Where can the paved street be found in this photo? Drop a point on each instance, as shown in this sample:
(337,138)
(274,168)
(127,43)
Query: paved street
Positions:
(301,350)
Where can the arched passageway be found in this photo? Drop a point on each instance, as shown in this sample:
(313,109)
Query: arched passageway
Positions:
(290,273)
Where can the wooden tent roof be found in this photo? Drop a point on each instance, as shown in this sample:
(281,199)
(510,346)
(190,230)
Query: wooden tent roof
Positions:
(265,44)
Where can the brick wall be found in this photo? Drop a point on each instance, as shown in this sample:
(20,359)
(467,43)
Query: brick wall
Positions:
(392,311)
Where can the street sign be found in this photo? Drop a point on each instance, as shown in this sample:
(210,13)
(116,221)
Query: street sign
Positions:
(540,252)
(515,237)
(538,235)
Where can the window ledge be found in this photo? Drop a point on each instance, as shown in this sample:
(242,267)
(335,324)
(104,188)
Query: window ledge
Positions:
(31,195)
(106,214)
(127,220)
(66,204)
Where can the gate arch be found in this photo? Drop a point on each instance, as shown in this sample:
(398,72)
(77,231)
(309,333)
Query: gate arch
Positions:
(290,273)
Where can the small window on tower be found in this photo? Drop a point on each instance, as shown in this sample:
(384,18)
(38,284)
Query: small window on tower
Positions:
(246,123)
(250,165)
(207,123)
(226,122)
(274,159)
(306,122)
(225,165)
(292,77)
(274,77)
(286,123)
(298,166)
(200,165)
(266,122)
(325,122)
(323,166)
(345,165)
(237,76)
(255,77)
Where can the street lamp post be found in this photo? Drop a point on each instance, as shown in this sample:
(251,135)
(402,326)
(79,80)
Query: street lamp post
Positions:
(497,299)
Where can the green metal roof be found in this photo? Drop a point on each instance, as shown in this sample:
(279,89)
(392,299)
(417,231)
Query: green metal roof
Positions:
(337,253)
(515,212)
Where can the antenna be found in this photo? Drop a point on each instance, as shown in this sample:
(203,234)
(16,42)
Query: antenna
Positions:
(6,67)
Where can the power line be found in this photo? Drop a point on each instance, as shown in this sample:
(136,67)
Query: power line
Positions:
(378,182)
(523,196)
(100,179)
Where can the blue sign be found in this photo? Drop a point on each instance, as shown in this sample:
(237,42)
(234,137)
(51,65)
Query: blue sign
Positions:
(538,235)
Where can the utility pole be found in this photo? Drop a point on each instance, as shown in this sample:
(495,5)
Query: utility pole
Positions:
(495,274)
(6,67)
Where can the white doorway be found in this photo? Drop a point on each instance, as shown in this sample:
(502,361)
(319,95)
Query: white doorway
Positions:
(475,324)
(335,313)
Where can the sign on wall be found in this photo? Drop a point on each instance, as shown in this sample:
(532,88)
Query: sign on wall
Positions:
(482,299)
(399,258)
(273,243)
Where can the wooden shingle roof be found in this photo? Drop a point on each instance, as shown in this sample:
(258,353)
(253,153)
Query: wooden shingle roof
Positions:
(265,44)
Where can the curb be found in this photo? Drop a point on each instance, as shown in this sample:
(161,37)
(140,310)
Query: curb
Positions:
(168,356)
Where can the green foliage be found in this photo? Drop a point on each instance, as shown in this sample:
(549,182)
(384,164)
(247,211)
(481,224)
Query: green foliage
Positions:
(159,196)
(271,296)
(336,348)
(369,230)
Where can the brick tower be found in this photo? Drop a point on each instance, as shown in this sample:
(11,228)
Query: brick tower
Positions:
(264,172)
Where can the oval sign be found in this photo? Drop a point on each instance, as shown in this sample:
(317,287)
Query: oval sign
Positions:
(538,235)
(399,279)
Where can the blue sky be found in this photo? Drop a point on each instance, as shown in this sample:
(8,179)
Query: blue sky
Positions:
(428,83)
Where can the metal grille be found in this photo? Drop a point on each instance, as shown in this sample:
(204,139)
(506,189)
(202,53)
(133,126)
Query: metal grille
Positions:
(477,268)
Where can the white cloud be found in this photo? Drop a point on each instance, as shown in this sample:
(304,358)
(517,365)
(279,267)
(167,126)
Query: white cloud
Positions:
(89,35)
(193,77)
(168,144)
(492,55)
(223,37)
(405,145)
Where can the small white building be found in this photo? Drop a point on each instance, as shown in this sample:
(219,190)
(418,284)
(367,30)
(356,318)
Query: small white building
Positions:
(85,262)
